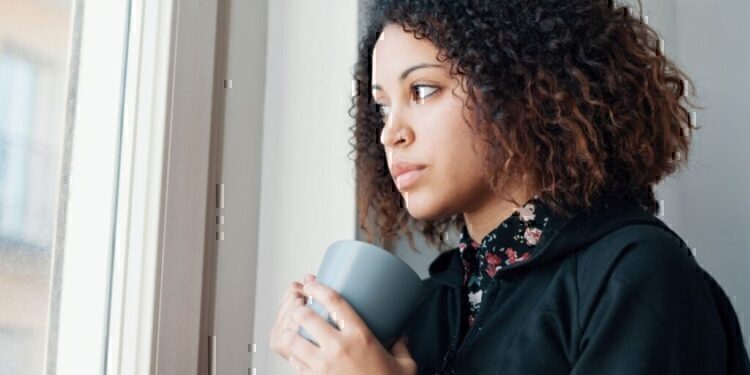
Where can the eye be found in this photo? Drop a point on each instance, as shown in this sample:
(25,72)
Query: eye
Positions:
(419,90)
(422,89)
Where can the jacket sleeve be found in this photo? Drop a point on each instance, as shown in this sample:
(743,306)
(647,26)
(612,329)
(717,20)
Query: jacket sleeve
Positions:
(654,311)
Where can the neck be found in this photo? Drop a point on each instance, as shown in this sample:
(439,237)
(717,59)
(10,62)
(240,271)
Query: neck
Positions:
(481,221)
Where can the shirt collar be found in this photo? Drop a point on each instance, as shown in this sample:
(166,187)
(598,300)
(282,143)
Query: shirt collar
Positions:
(562,235)
(514,239)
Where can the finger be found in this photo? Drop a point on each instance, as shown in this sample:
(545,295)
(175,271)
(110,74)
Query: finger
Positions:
(284,321)
(300,350)
(289,323)
(294,292)
(400,349)
(321,331)
(308,278)
(293,297)
(293,300)
(297,366)
(340,310)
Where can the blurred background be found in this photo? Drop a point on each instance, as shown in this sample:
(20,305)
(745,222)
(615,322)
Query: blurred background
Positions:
(277,186)
(34,48)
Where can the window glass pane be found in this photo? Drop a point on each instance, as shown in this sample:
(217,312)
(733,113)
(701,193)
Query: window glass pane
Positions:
(34,49)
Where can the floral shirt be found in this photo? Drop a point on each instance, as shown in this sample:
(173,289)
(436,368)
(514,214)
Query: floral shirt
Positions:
(511,242)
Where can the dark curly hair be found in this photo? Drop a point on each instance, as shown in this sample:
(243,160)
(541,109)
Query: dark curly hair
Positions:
(575,94)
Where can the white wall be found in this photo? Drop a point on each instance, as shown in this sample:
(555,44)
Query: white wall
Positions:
(707,202)
(307,197)
(713,212)
(288,185)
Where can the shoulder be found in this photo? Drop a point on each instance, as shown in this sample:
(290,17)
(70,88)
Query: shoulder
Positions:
(636,252)
(642,264)
(645,306)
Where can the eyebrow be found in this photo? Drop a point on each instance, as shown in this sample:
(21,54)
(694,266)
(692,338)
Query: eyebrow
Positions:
(408,71)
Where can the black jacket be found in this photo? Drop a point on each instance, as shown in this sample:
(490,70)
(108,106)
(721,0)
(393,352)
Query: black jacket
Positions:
(610,292)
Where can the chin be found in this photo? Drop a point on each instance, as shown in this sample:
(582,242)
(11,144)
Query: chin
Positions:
(422,210)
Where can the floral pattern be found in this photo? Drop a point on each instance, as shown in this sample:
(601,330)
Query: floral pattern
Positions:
(511,242)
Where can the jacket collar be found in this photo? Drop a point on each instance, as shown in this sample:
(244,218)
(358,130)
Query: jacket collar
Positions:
(514,240)
(562,236)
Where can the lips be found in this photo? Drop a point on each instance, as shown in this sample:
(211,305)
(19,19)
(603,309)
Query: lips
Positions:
(406,173)
(406,180)
(398,168)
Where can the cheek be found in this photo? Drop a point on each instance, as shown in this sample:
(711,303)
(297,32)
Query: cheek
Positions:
(462,174)
(459,176)
(456,180)
(457,151)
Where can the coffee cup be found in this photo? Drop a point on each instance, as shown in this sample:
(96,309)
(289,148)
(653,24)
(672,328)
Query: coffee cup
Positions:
(382,289)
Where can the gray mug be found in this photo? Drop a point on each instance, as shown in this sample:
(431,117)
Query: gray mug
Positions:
(382,289)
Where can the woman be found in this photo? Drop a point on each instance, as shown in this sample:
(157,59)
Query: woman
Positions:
(538,129)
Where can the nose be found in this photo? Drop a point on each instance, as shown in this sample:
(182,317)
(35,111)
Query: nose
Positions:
(395,131)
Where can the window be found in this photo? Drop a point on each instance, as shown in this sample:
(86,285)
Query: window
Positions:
(33,71)
(105,149)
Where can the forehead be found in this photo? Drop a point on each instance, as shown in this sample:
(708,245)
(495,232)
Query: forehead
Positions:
(397,48)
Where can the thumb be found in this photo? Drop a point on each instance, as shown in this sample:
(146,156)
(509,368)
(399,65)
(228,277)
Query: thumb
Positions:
(400,349)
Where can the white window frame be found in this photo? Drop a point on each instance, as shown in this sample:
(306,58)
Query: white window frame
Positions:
(162,228)
(82,257)
(157,323)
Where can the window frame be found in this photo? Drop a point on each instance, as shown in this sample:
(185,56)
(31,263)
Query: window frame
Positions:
(82,251)
(167,231)
(151,318)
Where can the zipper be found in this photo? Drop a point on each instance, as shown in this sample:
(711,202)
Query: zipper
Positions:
(452,353)
(450,356)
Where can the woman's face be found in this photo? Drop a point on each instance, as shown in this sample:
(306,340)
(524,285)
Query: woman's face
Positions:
(424,126)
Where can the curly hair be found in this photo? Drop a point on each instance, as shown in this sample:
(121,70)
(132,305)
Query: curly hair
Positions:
(575,94)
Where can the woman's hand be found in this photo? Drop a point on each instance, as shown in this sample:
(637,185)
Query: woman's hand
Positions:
(292,298)
(352,349)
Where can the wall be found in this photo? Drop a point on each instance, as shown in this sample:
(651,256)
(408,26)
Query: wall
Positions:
(710,42)
(288,183)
